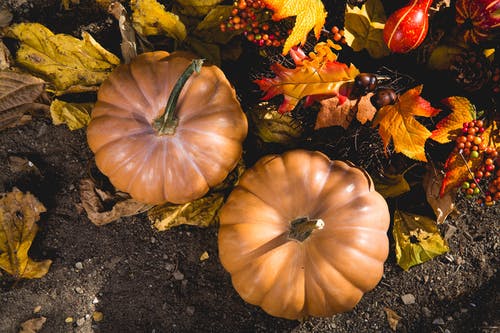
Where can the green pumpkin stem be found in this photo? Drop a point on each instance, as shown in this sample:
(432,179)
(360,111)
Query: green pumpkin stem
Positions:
(302,227)
(167,122)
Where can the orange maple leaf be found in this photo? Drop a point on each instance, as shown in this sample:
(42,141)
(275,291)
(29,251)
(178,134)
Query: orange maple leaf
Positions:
(458,169)
(317,76)
(309,14)
(450,127)
(397,122)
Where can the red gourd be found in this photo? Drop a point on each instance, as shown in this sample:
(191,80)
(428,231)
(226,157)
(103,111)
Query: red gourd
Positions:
(407,27)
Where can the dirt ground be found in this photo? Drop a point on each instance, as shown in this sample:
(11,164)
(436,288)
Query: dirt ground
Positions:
(143,280)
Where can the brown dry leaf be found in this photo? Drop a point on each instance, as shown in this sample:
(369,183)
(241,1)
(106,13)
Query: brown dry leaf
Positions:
(18,164)
(18,92)
(18,215)
(32,325)
(5,57)
(95,202)
(127,31)
(333,114)
(442,205)
(5,17)
(392,318)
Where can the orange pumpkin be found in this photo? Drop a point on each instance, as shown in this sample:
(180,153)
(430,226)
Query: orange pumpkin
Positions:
(302,235)
(174,155)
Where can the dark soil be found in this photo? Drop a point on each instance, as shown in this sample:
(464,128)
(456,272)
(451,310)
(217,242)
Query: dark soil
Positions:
(143,280)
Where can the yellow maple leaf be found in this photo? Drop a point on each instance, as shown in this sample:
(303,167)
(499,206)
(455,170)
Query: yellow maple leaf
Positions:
(309,14)
(450,127)
(18,215)
(397,122)
(150,18)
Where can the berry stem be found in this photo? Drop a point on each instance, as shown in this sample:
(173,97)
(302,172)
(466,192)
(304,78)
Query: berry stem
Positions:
(470,171)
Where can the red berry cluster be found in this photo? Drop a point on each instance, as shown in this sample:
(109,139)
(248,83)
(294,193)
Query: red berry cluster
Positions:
(254,19)
(470,144)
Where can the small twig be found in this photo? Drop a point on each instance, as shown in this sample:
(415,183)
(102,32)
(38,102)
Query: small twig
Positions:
(470,171)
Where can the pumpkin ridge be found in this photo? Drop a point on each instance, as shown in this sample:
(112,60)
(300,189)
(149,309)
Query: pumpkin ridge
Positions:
(107,106)
(119,138)
(123,162)
(340,242)
(138,171)
(191,159)
(241,186)
(311,248)
(116,88)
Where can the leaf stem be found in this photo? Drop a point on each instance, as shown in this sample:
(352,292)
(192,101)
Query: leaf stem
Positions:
(167,122)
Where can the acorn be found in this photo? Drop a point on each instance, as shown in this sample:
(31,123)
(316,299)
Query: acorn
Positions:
(383,97)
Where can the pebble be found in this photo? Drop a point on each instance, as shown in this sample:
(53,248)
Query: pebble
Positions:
(37,309)
(426,312)
(449,318)
(79,290)
(95,300)
(68,320)
(79,265)
(80,321)
(178,275)
(190,310)
(169,267)
(97,316)
(408,299)
(153,240)
(438,321)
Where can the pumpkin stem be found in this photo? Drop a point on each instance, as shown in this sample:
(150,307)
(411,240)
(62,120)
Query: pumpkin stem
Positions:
(302,227)
(167,122)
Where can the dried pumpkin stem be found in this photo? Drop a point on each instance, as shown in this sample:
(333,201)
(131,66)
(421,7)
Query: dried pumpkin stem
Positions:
(167,122)
(302,228)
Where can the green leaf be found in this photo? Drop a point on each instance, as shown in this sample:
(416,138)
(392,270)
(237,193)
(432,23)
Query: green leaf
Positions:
(68,63)
(364,28)
(417,239)
(391,186)
(209,28)
(197,7)
(74,115)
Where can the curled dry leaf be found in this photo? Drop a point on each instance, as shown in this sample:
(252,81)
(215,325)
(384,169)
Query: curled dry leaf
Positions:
(70,64)
(32,325)
(392,318)
(332,113)
(128,45)
(417,239)
(442,205)
(18,92)
(5,58)
(5,17)
(74,115)
(96,202)
(18,215)
(201,212)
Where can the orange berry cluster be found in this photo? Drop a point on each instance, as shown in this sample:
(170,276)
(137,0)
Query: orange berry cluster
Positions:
(254,19)
(338,35)
(471,145)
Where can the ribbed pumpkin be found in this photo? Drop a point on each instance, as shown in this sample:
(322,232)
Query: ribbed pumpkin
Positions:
(302,235)
(175,158)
